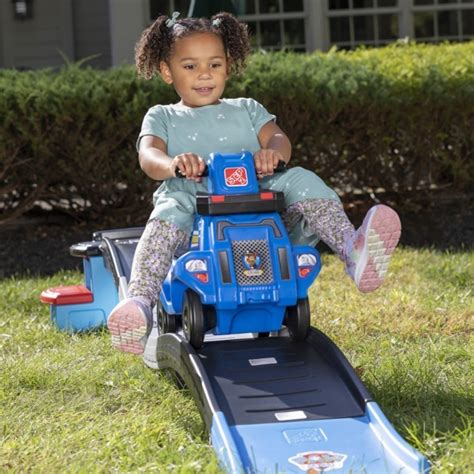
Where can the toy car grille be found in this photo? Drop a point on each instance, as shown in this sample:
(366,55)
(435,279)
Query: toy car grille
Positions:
(252,262)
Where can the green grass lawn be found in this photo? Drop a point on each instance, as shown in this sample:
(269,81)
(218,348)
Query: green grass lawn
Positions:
(70,403)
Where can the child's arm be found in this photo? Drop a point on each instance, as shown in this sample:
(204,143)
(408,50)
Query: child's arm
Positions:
(157,164)
(275,147)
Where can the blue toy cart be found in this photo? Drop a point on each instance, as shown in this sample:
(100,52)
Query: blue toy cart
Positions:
(242,273)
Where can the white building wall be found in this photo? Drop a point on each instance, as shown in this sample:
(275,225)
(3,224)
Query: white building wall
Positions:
(128,18)
(2,35)
(111,28)
(92,32)
(39,41)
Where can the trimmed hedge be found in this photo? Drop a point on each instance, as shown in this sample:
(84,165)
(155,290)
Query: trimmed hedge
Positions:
(399,118)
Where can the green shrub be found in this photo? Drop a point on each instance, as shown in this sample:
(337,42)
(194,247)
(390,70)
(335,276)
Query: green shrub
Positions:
(398,118)
(68,140)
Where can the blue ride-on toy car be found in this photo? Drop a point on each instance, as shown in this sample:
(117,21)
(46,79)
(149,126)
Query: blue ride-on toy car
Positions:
(273,405)
(241,274)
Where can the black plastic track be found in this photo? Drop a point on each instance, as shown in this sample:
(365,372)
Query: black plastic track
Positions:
(312,376)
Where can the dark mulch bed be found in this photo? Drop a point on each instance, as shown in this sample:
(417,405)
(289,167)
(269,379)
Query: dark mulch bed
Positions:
(38,244)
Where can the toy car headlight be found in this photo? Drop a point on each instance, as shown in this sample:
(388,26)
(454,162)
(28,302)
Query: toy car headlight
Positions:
(196,266)
(306,262)
(306,259)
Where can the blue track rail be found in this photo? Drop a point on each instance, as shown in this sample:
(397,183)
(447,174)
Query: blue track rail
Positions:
(272,405)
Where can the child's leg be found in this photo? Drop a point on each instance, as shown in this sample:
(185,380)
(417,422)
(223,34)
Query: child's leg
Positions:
(365,252)
(130,321)
(324,218)
(153,258)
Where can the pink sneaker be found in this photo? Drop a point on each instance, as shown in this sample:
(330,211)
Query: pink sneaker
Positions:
(368,252)
(129,324)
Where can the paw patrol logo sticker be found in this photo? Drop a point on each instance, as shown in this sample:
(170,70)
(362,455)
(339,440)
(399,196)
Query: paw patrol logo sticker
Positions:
(252,263)
(318,461)
(236,176)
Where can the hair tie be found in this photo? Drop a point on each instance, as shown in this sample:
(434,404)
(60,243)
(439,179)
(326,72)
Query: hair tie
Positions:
(170,22)
(216,22)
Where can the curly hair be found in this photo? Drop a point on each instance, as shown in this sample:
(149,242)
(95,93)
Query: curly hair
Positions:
(156,42)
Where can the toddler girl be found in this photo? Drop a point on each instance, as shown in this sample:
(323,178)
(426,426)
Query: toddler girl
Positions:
(197,56)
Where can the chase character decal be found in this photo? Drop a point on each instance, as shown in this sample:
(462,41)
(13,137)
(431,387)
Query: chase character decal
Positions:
(252,263)
(318,461)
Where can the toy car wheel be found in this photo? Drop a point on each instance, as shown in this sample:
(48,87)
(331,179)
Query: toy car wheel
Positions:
(298,320)
(193,319)
(166,322)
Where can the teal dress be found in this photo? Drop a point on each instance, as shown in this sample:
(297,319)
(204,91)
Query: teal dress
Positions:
(232,126)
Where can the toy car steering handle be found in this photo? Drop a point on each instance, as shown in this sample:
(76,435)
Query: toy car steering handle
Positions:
(281,166)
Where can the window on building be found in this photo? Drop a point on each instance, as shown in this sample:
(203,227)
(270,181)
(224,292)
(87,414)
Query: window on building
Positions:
(167,7)
(283,24)
(468,23)
(357,22)
(437,20)
(274,24)
(200,8)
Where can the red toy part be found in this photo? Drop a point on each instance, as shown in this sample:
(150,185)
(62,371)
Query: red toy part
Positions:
(62,295)
(266,195)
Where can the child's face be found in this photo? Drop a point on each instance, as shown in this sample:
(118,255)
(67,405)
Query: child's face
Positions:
(197,69)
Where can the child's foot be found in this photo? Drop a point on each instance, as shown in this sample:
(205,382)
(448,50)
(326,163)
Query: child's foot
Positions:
(368,252)
(130,323)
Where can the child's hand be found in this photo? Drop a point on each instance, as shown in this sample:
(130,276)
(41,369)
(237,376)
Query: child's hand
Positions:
(266,160)
(192,166)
